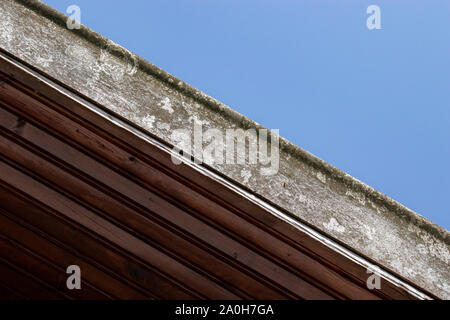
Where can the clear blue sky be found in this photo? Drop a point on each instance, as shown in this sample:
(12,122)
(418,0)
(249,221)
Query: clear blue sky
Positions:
(374,103)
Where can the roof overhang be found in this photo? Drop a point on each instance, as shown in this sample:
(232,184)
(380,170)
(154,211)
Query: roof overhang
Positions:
(69,162)
(310,199)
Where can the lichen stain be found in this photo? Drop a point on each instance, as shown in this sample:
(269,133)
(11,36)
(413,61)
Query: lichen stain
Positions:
(148,121)
(333,225)
(166,104)
(322,178)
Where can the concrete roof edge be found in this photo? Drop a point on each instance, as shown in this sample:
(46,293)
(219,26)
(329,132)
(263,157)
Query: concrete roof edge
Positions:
(285,145)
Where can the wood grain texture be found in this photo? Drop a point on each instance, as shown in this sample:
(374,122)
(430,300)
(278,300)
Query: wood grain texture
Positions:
(76,188)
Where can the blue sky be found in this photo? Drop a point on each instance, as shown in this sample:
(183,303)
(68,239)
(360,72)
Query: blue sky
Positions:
(374,103)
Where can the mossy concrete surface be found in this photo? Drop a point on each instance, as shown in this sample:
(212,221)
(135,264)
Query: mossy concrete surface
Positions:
(310,189)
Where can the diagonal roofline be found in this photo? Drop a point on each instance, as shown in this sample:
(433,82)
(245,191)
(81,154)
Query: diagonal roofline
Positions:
(217,106)
(404,214)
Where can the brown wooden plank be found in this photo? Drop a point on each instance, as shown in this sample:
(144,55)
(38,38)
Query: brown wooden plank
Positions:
(188,201)
(26,284)
(7,293)
(157,231)
(94,169)
(22,246)
(155,203)
(73,240)
(109,232)
(54,277)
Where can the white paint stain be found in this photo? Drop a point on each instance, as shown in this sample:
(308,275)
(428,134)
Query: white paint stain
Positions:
(321,177)
(333,225)
(166,104)
(44,62)
(148,121)
(306,201)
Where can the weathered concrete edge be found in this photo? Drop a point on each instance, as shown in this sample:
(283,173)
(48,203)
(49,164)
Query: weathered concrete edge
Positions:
(399,243)
(244,122)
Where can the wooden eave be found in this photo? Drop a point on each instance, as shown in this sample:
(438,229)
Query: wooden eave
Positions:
(82,186)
